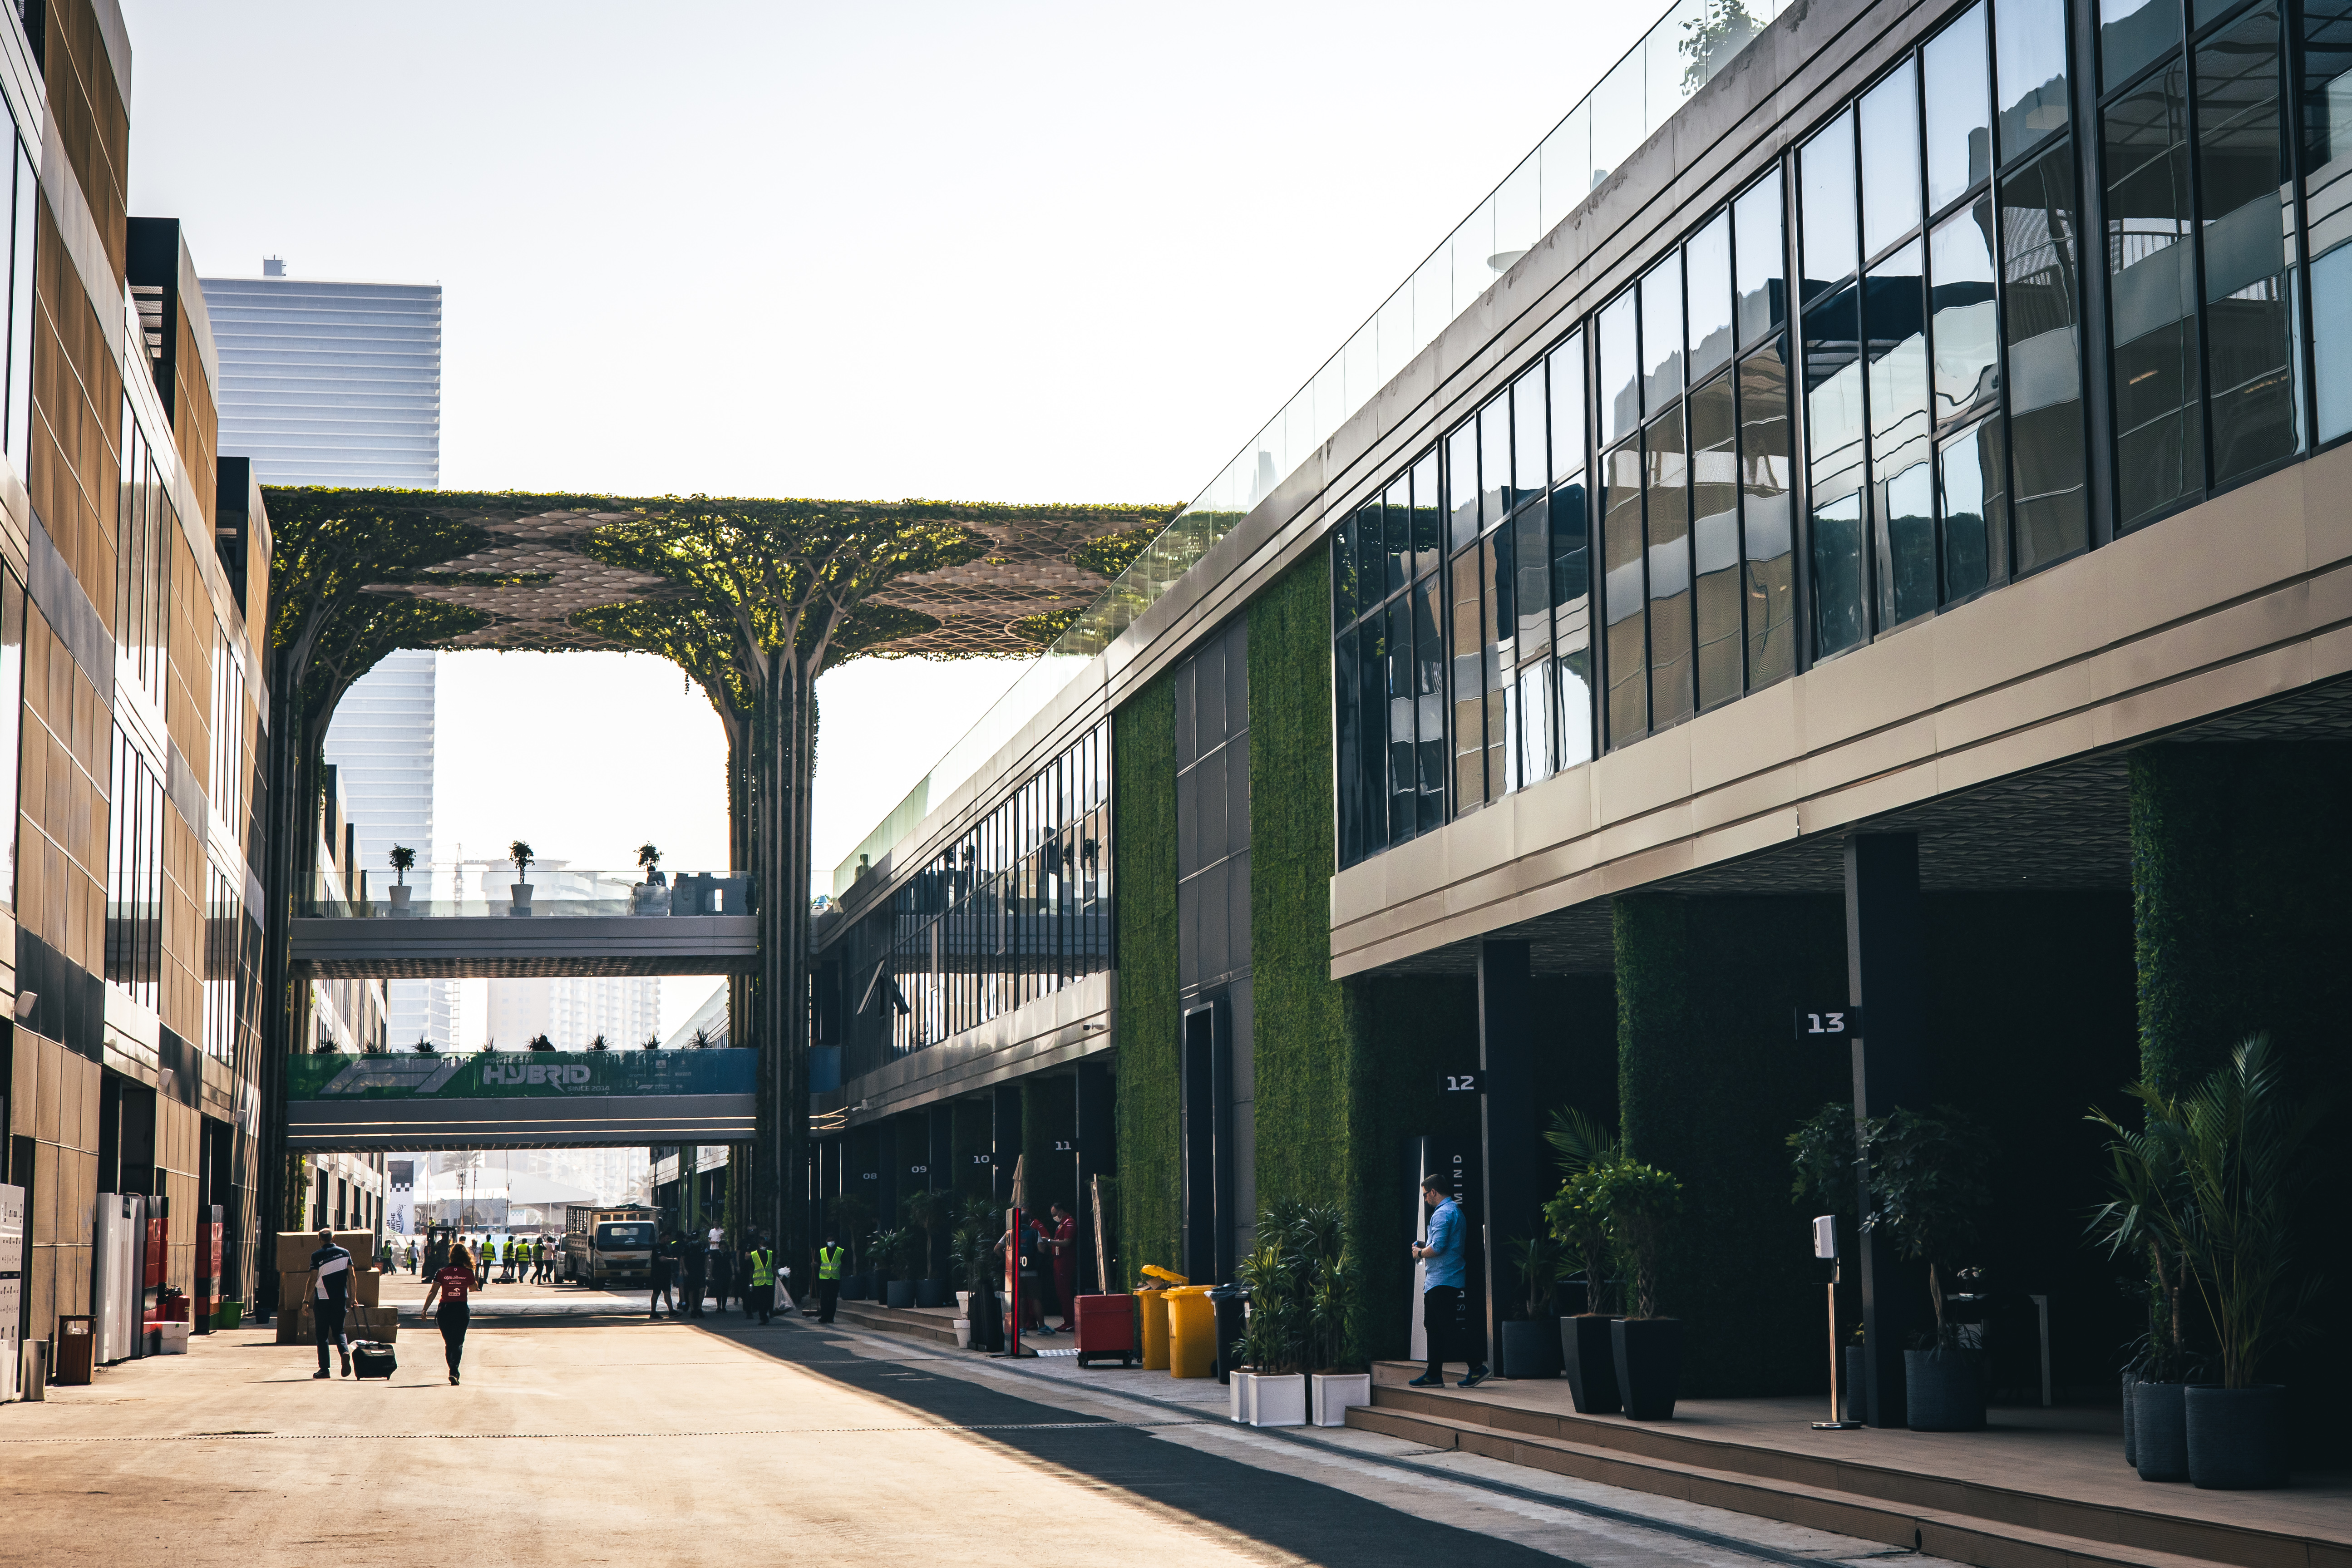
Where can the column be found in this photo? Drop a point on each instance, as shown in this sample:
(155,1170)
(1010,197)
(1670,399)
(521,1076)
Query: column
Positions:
(1098,1156)
(1507,1128)
(1887,981)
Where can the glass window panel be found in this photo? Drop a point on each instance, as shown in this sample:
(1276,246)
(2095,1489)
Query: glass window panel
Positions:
(1571,563)
(1495,564)
(1572,684)
(1707,258)
(2326,96)
(1532,595)
(1662,334)
(1825,186)
(1966,325)
(1530,460)
(1838,622)
(1624,594)
(2331,323)
(1666,476)
(1975,509)
(1462,481)
(1765,478)
(1833,392)
(1494,461)
(1468,686)
(1343,576)
(2040,321)
(1960,115)
(1890,160)
(2132,33)
(2030,69)
(1429,698)
(2249,299)
(1621,370)
(1428,518)
(1348,745)
(1396,534)
(1763,259)
(1398,767)
(1536,724)
(1567,364)
(1895,322)
(2152,299)
(1714,539)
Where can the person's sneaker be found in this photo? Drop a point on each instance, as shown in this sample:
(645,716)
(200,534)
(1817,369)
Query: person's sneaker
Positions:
(453,1380)
(1477,1375)
(318,1374)
(347,1363)
(1425,1381)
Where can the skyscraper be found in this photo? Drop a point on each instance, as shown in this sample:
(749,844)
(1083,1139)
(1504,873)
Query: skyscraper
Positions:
(340,383)
(573,1010)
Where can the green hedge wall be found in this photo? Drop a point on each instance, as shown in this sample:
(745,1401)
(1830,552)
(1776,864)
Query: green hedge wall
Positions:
(1143,845)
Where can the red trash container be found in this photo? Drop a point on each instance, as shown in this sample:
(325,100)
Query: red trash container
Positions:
(1107,1327)
(73,1350)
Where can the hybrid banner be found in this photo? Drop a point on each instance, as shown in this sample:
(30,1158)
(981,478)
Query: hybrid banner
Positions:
(522,1074)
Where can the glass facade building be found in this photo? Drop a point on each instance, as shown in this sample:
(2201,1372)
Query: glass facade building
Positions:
(1927,353)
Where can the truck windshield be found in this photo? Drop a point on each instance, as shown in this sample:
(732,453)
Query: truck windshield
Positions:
(624,1238)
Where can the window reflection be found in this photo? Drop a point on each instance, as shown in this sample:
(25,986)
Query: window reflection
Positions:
(2240,165)
(2327,93)
(1825,180)
(1707,258)
(1975,508)
(1895,320)
(1462,473)
(2152,299)
(2132,33)
(1714,539)
(2030,70)
(1762,281)
(1959,91)
(1466,680)
(1620,385)
(1530,463)
(1665,475)
(1624,594)
(1765,474)
(1567,378)
(1967,326)
(1494,461)
(1662,334)
(2042,302)
(1890,160)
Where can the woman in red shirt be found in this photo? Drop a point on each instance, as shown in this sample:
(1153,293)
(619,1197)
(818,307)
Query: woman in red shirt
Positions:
(457,1280)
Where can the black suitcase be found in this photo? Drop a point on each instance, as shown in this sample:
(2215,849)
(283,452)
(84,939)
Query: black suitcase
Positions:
(369,1359)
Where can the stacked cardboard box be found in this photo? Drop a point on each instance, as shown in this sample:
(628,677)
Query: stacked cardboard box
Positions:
(362,1321)
(294,1249)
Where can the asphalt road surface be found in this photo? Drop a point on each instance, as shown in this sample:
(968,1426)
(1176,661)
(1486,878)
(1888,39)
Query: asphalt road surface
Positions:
(594,1441)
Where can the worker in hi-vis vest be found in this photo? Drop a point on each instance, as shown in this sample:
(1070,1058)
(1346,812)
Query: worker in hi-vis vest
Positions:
(829,1258)
(759,1288)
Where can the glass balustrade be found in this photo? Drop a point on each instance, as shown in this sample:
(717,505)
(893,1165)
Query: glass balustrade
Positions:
(560,892)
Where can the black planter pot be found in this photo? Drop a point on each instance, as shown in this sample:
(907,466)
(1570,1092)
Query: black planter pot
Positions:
(2130,1457)
(930,1294)
(2159,1432)
(1649,1355)
(1531,1348)
(1944,1391)
(853,1287)
(901,1293)
(2237,1437)
(1588,1351)
(1852,1384)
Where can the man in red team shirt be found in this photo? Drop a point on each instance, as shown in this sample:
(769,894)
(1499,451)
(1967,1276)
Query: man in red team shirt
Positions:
(1061,1238)
(457,1279)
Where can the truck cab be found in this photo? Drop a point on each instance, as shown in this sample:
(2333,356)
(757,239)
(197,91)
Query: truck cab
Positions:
(603,1247)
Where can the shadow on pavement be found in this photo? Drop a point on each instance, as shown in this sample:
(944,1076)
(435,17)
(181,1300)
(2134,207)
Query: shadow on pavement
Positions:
(1316,1523)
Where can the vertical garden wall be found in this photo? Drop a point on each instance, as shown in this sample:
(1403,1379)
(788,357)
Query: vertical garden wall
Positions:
(1143,837)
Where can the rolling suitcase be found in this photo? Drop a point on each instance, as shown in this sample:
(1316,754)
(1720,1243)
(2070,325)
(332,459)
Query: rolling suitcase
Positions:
(369,1359)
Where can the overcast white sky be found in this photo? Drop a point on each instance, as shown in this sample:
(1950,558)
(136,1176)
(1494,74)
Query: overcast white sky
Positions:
(1023,252)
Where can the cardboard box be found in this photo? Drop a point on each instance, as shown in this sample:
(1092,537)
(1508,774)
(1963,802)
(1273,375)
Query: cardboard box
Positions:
(295,1246)
(368,1288)
(360,1322)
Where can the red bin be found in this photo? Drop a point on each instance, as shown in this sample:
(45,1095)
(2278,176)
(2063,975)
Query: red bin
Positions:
(1106,1328)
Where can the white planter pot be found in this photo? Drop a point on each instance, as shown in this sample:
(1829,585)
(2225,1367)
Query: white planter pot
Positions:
(1244,1408)
(963,1302)
(521,891)
(1337,1393)
(963,1333)
(1278,1401)
(648,900)
(400,892)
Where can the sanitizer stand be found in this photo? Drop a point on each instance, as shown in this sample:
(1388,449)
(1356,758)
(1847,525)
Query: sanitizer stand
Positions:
(1825,1246)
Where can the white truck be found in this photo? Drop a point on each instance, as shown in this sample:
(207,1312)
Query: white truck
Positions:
(607,1247)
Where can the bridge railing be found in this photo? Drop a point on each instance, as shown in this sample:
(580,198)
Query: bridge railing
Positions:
(574,892)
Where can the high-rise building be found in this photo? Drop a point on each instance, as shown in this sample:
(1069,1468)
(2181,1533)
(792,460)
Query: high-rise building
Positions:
(340,383)
(573,1012)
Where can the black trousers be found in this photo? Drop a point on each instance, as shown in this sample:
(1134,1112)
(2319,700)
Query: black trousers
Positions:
(661,1291)
(760,1299)
(453,1318)
(1441,1316)
(327,1325)
(828,1292)
(694,1289)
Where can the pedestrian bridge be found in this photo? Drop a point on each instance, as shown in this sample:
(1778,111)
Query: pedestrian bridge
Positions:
(520,1100)
(467,926)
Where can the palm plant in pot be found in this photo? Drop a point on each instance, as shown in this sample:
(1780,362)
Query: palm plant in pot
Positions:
(1531,1342)
(1927,1187)
(926,1212)
(1640,1202)
(1337,1380)
(403,861)
(522,855)
(2238,1138)
(1587,1344)
(2139,1221)
(890,1247)
(1270,1390)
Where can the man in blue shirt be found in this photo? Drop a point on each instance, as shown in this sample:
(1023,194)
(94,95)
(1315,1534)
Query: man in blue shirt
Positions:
(1441,1291)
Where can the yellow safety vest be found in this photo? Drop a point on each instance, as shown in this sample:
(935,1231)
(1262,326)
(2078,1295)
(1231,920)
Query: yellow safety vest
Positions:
(763,1268)
(828,1262)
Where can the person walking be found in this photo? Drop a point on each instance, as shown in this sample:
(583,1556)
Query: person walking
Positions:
(457,1280)
(759,1282)
(725,1275)
(412,1256)
(329,1288)
(829,1259)
(665,1251)
(1441,1292)
(696,1263)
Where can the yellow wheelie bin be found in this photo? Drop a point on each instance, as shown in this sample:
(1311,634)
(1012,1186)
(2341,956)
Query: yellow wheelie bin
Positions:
(1192,1332)
(1154,1303)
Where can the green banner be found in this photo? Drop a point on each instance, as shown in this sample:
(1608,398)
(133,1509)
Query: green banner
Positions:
(521,1075)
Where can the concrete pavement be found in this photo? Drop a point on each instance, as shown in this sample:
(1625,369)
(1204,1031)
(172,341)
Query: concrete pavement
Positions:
(721,1442)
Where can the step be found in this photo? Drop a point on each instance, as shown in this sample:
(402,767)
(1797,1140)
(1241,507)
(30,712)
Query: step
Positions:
(915,1323)
(1938,1532)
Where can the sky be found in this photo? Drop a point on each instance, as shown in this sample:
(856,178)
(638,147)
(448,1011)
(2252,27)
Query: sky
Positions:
(1024,251)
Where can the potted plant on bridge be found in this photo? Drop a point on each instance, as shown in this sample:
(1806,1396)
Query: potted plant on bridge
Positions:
(521,854)
(650,896)
(1587,1343)
(1640,1202)
(404,859)
(1927,1187)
